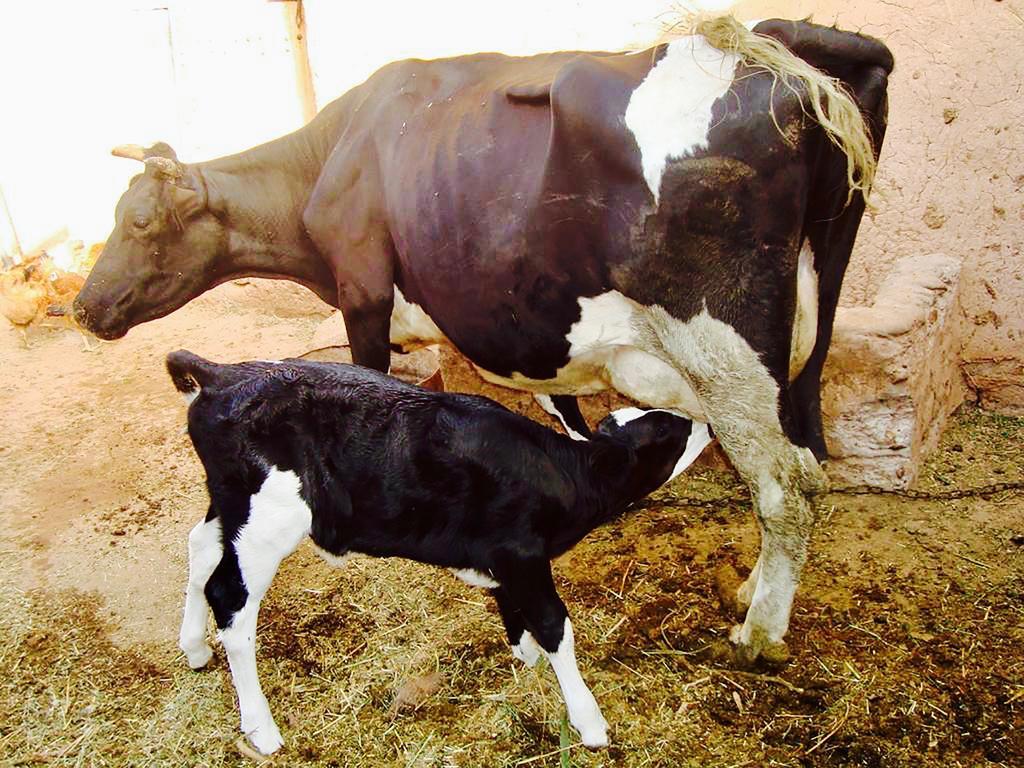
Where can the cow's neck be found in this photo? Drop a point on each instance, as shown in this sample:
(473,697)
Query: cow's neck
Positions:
(259,195)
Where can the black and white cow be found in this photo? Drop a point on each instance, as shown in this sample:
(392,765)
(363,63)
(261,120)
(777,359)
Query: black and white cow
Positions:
(673,224)
(364,464)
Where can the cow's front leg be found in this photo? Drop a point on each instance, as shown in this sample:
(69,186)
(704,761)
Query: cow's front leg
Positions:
(368,322)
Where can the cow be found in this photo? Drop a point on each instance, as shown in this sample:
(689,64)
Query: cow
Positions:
(364,464)
(673,224)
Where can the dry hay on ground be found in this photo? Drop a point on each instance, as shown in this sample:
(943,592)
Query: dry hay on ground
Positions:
(906,634)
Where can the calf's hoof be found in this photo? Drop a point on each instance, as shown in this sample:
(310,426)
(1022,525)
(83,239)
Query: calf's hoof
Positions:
(594,733)
(266,739)
(198,657)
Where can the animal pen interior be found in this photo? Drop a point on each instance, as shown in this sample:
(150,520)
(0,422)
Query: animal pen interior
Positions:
(905,633)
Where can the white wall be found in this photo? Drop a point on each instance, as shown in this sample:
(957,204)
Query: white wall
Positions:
(349,41)
(210,78)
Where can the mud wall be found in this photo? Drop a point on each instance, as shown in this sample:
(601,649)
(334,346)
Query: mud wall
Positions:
(951,178)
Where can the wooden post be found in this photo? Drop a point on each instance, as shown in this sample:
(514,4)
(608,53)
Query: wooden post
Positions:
(295,20)
(10,246)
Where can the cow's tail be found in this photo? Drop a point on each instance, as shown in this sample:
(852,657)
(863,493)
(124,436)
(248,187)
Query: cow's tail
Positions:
(191,373)
(835,110)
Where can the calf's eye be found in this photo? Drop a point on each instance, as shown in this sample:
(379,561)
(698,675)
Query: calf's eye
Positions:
(141,222)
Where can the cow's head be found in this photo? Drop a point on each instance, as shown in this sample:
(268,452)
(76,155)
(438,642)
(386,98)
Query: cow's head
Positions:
(163,251)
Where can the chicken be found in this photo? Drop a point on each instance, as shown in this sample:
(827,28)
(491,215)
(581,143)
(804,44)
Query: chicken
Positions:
(24,297)
(37,289)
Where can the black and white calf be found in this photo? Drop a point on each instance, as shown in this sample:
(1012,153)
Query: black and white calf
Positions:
(365,464)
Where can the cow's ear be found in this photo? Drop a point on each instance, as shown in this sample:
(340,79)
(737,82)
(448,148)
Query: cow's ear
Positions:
(188,202)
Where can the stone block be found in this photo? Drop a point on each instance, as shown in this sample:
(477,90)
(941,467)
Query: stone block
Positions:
(892,377)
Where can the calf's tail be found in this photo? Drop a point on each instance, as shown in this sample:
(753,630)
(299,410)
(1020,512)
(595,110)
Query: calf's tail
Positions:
(190,373)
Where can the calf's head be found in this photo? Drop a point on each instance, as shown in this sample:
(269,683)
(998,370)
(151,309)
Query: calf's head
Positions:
(663,444)
(163,251)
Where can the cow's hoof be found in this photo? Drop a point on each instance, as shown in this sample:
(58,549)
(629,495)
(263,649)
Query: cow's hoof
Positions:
(266,739)
(768,652)
(199,657)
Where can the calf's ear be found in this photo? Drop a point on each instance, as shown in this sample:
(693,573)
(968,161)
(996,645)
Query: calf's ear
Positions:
(610,456)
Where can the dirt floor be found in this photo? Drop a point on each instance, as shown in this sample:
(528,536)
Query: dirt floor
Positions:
(906,636)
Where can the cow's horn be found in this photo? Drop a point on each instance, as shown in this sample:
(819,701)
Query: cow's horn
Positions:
(131,151)
(165,168)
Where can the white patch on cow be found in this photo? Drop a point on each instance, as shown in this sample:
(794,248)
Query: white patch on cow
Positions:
(608,351)
(745,591)
(545,402)
(279,519)
(669,113)
(584,714)
(474,578)
(699,439)
(805,321)
(271,362)
(337,561)
(190,396)
(527,650)
(205,550)
(411,326)
(769,497)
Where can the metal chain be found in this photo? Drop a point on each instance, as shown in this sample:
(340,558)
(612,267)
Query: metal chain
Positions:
(743,495)
(984,491)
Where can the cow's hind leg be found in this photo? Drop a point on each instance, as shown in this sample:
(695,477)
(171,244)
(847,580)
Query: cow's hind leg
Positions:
(278,520)
(741,400)
(204,552)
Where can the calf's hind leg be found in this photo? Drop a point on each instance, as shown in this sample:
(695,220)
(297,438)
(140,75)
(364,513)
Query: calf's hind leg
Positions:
(529,587)
(205,550)
(524,647)
(278,520)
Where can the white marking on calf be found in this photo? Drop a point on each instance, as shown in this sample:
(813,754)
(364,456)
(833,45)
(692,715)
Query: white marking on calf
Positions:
(205,550)
(805,320)
(545,402)
(699,439)
(337,561)
(474,578)
(411,326)
(669,113)
(278,520)
(584,714)
(527,650)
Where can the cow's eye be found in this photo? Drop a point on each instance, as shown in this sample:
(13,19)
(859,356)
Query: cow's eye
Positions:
(141,222)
